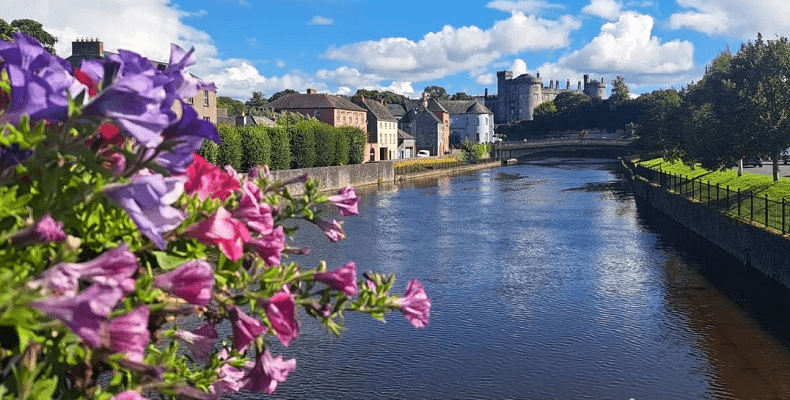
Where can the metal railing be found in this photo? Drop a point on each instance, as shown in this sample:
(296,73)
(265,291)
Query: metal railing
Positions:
(417,167)
(746,205)
(562,142)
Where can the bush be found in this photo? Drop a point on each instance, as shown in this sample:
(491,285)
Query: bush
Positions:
(356,139)
(471,151)
(326,138)
(302,141)
(281,148)
(210,151)
(343,146)
(256,147)
(230,148)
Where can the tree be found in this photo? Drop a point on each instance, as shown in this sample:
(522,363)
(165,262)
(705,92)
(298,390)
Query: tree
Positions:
(436,92)
(620,91)
(31,28)
(281,94)
(471,151)
(544,109)
(256,103)
(235,107)
(461,96)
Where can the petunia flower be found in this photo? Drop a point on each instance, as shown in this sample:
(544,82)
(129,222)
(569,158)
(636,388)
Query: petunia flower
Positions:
(184,137)
(245,328)
(346,201)
(45,230)
(208,180)
(183,84)
(129,334)
(112,268)
(200,341)
(147,200)
(281,311)
(224,231)
(415,305)
(343,278)
(268,372)
(193,282)
(85,314)
(333,230)
(256,215)
(129,395)
(231,379)
(270,246)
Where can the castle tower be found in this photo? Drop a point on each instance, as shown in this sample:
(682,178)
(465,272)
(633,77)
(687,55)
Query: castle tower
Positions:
(500,113)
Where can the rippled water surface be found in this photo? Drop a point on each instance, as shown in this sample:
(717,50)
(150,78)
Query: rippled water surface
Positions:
(548,281)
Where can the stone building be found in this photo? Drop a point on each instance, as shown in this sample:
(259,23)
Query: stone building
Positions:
(382,128)
(517,97)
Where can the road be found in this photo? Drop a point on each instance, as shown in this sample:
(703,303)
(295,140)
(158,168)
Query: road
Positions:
(767,168)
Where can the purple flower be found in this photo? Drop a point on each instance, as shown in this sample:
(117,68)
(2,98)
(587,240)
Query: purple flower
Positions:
(200,342)
(85,314)
(245,328)
(343,278)
(232,379)
(256,215)
(186,137)
(129,334)
(193,282)
(281,310)
(268,372)
(183,84)
(46,230)
(333,230)
(147,200)
(269,246)
(39,81)
(13,154)
(111,268)
(346,201)
(128,395)
(415,305)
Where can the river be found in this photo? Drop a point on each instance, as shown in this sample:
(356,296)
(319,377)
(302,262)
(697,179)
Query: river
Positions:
(548,281)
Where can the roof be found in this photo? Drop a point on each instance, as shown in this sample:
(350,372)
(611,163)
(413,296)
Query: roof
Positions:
(404,135)
(528,78)
(297,101)
(378,109)
(434,105)
(457,107)
(396,110)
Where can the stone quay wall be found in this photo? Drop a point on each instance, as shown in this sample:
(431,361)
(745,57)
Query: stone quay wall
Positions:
(754,246)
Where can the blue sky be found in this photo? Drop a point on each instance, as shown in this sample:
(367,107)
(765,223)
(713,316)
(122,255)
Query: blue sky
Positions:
(339,46)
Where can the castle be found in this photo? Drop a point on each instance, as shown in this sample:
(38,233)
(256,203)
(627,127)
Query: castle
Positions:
(517,98)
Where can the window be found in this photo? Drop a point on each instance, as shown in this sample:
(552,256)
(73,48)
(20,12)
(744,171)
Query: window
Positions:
(190,100)
(207,119)
(205,98)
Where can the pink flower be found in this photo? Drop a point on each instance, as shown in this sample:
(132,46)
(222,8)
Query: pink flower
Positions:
(245,328)
(208,180)
(343,278)
(85,314)
(333,230)
(224,231)
(200,342)
(232,379)
(415,305)
(268,372)
(269,246)
(46,230)
(281,310)
(129,334)
(193,282)
(346,201)
(114,267)
(128,395)
(257,215)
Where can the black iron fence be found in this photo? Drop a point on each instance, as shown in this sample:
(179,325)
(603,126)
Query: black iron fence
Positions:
(418,167)
(745,205)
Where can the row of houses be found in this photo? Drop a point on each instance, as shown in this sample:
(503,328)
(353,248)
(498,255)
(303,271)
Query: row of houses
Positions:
(394,130)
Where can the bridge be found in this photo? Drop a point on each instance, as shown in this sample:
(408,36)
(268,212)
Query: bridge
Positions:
(578,146)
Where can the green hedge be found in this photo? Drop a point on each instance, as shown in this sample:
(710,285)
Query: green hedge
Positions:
(256,147)
(326,138)
(230,150)
(356,139)
(302,140)
(281,148)
(210,151)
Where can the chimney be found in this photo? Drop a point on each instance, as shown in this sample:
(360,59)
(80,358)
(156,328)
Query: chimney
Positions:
(537,74)
(568,85)
(424,100)
(579,86)
(485,96)
(311,91)
(87,47)
(586,79)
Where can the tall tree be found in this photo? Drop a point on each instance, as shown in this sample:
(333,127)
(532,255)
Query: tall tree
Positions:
(436,92)
(235,107)
(544,109)
(281,94)
(620,91)
(256,103)
(31,28)
(461,96)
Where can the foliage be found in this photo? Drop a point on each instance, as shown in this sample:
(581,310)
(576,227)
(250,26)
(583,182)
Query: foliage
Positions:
(31,28)
(461,96)
(257,103)
(281,148)
(303,148)
(230,152)
(620,91)
(471,151)
(256,147)
(544,109)
(436,92)
(280,94)
(386,96)
(210,151)
(108,239)
(356,142)
(326,138)
(235,107)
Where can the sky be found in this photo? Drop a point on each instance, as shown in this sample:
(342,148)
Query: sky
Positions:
(339,46)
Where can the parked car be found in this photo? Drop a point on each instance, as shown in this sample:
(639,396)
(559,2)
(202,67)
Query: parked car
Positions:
(754,161)
(423,153)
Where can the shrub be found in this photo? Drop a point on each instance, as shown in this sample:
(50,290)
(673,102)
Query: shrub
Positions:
(281,148)
(255,146)
(302,140)
(230,146)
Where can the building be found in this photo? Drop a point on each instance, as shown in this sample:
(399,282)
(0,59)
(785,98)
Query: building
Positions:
(430,129)
(329,109)
(382,128)
(517,98)
(205,103)
(469,119)
(407,145)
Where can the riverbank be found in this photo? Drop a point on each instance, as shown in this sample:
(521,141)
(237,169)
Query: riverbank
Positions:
(755,246)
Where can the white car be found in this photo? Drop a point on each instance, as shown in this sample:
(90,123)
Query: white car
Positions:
(423,153)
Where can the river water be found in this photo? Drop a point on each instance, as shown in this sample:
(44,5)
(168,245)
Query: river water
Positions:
(548,281)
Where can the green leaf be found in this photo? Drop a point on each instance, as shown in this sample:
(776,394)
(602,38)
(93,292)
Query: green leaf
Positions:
(168,261)
(43,389)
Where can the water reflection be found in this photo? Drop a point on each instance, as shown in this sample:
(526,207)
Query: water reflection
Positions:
(548,281)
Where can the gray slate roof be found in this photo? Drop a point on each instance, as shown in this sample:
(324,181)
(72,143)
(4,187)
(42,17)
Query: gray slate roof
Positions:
(404,135)
(379,110)
(296,101)
(396,110)
(457,107)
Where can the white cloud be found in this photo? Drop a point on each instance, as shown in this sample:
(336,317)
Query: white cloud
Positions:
(628,46)
(280,63)
(403,88)
(737,18)
(485,79)
(524,6)
(452,50)
(519,67)
(319,20)
(607,9)
(238,79)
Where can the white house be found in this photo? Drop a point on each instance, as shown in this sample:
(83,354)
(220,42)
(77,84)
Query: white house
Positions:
(469,119)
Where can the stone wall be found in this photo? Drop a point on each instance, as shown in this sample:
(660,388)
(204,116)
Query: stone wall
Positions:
(755,246)
(333,178)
